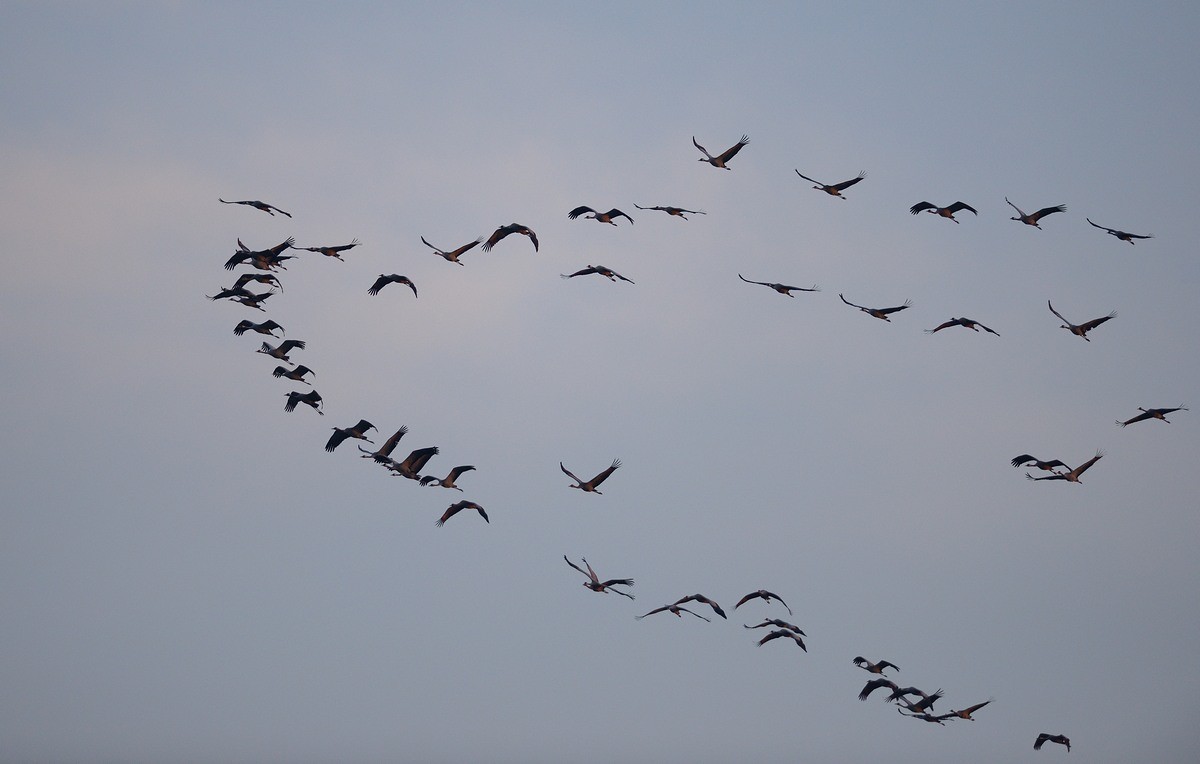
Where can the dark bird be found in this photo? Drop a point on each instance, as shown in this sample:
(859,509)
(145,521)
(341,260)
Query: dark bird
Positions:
(262,259)
(448,481)
(676,211)
(384,454)
(703,600)
(505,230)
(1073,475)
(874,668)
(837,188)
(675,608)
(966,712)
(874,685)
(453,254)
(599,217)
(882,313)
(251,300)
(925,717)
(899,693)
(239,287)
(781,288)
(342,433)
(332,251)
(267,208)
(281,352)
(413,463)
(924,705)
(723,157)
(1046,737)
(967,322)
(312,398)
(1081,330)
(457,507)
(296,374)
(394,278)
(604,271)
(1049,466)
(1151,414)
(591,485)
(266,327)
(1035,217)
(777,623)
(765,595)
(595,584)
(1122,235)
(783,633)
(946,212)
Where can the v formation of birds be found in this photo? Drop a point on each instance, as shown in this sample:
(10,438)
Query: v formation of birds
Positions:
(272,260)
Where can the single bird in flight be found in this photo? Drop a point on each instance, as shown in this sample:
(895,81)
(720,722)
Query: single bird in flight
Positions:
(595,584)
(457,507)
(335,252)
(720,159)
(599,217)
(1046,737)
(311,398)
(1122,235)
(591,485)
(874,668)
(781,288)
(1151,414)
(448,481)
(394,278)
(453,254)
(676,211)
(505,230)
(765,596)
(1035,217)
(1080,330)
(967,322)
(604,271)
(946,212)
(881,313)
(267,208)
(342,433)
(835,189)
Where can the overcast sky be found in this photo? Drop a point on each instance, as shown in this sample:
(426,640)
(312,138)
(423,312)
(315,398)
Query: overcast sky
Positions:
(186,575)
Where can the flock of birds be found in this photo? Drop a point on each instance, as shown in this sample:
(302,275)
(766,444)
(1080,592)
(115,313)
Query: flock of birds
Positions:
(911,701)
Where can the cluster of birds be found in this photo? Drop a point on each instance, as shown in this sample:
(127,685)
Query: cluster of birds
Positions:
(919,709)
(912,701)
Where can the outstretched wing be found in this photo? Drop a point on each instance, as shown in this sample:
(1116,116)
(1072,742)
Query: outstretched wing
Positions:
(1084,467)
(652,612)
(1087,326)
(748,281)
(732,151)
(569,473)
(596,481)
(1060,316)
(919,206)
(581,570)
(953,208)
(846,183)
(380,283)
(579,211)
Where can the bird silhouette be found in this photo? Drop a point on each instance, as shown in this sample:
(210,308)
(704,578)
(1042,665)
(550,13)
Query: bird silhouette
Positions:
(720,159)
(834,189)
(946,212)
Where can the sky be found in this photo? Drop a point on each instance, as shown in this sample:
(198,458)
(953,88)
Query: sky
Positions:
(186,574)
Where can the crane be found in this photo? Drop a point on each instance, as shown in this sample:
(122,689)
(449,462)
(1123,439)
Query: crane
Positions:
(720,159)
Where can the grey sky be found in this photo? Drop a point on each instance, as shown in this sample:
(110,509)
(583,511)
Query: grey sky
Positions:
(186,575)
